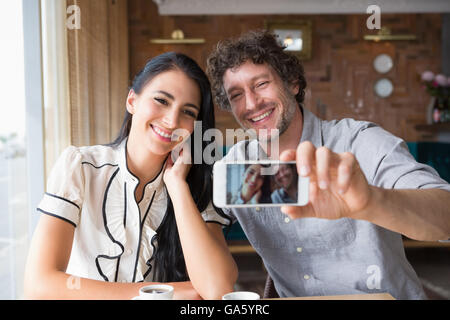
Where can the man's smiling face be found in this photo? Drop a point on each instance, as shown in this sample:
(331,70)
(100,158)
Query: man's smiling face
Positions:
(258,97)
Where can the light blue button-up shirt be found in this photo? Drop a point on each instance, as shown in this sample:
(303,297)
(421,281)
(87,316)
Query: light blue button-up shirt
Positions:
(281,196)
(311,256)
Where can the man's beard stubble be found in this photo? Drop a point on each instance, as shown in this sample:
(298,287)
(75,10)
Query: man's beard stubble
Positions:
(290,104)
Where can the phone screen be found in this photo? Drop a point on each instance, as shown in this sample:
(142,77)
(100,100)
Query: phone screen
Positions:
(259,183)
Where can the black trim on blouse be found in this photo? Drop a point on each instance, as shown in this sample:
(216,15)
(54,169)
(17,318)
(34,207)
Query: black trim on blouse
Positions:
(61,198)
(125,205)
(152,242)
(217,222)
(99,167)
(56,216)
(105,223)
(141,225)
(149,261)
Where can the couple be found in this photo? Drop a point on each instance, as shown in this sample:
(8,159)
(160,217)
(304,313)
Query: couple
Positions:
(116,217)
(260,188)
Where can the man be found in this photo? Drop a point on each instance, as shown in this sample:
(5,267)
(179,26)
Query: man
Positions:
(366,189)
(286,179)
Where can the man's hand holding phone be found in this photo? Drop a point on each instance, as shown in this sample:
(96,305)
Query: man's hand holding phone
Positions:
(262,183)
(338,187)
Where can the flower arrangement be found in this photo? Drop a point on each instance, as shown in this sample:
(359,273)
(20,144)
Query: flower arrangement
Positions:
(438,87)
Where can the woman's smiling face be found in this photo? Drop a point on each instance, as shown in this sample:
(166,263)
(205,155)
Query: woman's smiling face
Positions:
(164,111)
(253,180)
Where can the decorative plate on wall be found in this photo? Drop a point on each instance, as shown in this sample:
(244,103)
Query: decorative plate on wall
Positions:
(383,87)
(383,63)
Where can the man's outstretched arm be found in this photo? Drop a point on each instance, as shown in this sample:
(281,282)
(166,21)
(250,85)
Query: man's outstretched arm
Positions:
(338,188)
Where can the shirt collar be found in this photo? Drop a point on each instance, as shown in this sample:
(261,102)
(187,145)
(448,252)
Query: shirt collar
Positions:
(128,176)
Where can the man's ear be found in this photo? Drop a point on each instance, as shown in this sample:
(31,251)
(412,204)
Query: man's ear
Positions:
(131,102)
(294,88)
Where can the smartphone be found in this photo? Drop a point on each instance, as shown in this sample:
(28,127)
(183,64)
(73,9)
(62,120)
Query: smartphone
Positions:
(258,183)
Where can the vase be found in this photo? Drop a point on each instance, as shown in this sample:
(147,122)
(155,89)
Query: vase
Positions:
(442,110)
(430,109)
(436,115)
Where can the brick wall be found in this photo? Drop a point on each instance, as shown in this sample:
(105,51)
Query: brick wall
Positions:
(340,74)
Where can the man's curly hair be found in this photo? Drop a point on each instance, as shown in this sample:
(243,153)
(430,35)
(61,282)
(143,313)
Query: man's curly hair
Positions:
(261,47)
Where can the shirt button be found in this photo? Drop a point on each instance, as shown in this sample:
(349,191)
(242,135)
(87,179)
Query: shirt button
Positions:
(287,220)
(129,251)
(306,277)
(299,249)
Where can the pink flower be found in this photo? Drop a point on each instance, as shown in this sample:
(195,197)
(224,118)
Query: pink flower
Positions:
(441,80)
(427,76)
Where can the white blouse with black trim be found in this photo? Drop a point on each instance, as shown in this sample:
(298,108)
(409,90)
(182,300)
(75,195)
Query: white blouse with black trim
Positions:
(115,237)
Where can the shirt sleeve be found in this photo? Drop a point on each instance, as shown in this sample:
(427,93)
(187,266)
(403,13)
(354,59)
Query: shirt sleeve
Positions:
(211,214)
(65,188)
(387,162)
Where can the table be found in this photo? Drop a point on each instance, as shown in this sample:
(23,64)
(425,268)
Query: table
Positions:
(368,296)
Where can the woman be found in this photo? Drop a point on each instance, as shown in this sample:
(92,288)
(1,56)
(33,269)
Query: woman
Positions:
(255,187)
(120,215)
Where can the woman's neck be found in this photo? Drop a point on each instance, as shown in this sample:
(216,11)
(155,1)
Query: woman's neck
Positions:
(142,163)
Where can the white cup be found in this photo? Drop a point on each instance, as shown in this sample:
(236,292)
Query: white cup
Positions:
(241,295)
(156,292)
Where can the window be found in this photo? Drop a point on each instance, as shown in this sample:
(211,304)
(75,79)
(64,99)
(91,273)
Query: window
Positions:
(21,138)
(55,72)
(13,163)
(34,85)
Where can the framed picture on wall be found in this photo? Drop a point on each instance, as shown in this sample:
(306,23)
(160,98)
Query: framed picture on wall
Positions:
(295,35)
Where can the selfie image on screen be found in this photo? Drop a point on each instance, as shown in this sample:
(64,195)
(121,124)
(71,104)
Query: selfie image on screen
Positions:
(261,183)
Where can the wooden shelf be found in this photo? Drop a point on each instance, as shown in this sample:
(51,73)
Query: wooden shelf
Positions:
(436,127)
(240,247)
(408,243)
(243,247)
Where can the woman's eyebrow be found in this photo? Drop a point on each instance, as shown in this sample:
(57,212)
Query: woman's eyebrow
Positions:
(192,106)
(168,95)
(171,97)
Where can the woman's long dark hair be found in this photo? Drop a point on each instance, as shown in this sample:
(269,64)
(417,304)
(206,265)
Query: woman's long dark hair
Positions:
(266,191)
(168,261)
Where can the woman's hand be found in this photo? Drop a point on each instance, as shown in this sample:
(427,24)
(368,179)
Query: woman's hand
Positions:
(256,198)
(177,172)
